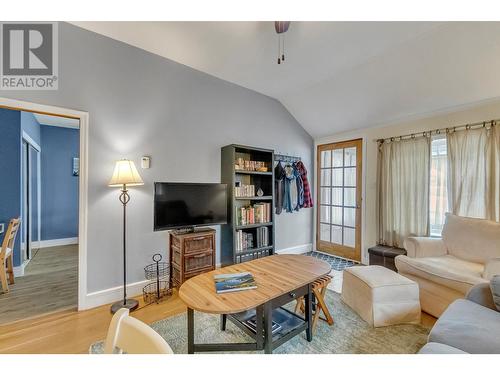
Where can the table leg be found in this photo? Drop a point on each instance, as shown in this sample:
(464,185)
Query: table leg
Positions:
(223,322)
(268,328)
(308,313)
(190,327)
(259,329)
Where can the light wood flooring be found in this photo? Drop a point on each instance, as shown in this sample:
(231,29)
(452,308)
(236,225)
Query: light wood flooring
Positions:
(74,331)
(49,284)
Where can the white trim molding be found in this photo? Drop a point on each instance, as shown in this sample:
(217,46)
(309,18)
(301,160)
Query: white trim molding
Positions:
(301,249)
(19,270)
(59,242)
(103,297)
(83,118)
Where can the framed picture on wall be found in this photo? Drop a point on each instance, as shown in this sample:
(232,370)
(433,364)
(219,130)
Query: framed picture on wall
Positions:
(76,167)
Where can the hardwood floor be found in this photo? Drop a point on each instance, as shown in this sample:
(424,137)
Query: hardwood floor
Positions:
(50,284)
(73,331)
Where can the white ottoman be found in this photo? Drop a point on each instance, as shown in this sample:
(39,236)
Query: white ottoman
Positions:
(380,296)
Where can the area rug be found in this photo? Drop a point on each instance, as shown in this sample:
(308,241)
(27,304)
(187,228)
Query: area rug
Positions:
(337,263)
(349,335)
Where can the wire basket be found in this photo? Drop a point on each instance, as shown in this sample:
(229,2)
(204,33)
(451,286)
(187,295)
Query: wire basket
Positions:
(158,269)
(160,288)
(156,291)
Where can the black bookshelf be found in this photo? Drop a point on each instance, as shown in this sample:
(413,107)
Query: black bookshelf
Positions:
(260,179)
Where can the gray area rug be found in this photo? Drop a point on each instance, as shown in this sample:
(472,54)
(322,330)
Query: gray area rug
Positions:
(349,335)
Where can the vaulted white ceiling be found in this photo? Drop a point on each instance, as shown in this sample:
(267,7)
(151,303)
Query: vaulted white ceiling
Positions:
(337,75)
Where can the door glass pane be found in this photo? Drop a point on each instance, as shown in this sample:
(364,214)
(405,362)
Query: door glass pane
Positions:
(337,215)
(324,215)
(349,237)
(350,176)
(325,195)
(350,197)
(350,157)
(337,196)
(324,232)
(338,157)
(337,234)
(326,161)
(349,216)
(326,177)
(337,177)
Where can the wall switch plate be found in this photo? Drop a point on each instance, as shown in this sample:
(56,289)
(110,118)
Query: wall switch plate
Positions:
(145,162)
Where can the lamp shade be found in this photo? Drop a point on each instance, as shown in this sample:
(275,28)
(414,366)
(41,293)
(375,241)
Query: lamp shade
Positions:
(125,173)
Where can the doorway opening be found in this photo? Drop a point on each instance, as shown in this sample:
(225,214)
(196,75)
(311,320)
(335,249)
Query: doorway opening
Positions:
(41,152)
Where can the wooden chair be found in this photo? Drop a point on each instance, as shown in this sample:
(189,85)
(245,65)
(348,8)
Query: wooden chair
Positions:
(319,290)
(6,254)
(132,336)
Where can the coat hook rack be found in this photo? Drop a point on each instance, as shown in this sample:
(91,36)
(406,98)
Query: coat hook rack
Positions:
(286,158)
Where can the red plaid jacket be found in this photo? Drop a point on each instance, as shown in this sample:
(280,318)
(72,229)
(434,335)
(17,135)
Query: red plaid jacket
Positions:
(308,202)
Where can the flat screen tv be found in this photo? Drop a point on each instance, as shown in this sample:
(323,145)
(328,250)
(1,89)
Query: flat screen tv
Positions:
(186,205)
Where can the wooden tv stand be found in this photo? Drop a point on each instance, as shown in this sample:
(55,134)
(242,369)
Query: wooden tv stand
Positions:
(191,254)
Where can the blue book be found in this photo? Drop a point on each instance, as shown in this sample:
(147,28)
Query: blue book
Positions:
(234,282)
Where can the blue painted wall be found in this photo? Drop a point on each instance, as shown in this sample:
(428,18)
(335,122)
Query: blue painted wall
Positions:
(10,169)
(59,186)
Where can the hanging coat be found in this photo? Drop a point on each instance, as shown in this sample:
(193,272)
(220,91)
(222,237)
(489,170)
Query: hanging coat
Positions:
(300,188)
(279,187)
(308,202)
(291,194)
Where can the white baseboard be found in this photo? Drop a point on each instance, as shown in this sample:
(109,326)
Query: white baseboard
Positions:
(19,270)
(59,242)
(103,297)
(301,249)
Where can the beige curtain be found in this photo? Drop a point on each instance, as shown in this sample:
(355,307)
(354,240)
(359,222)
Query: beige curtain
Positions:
(403,190)
(473,172)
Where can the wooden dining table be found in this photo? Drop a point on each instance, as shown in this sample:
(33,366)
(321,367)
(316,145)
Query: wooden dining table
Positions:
(280,279)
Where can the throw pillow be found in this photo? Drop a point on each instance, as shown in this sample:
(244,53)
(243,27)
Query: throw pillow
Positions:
(495,290)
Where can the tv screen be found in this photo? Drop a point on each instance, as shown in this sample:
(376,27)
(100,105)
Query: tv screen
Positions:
(178,205)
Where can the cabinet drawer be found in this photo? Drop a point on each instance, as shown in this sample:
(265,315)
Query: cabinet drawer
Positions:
(289,297)
(198,261)
(198,244)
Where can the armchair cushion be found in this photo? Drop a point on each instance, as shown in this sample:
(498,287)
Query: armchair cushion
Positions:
(475,240)
(482,295)
(491,268)
(420,247)
(446,270)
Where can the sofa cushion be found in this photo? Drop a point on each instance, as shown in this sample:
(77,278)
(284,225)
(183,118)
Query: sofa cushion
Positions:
(437,348)
(474,240)
(445,270)
(468,326)
(495,290)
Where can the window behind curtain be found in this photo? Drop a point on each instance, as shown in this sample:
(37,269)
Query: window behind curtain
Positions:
(438,193)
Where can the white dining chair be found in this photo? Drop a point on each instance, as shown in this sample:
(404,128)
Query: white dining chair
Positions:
(131,336)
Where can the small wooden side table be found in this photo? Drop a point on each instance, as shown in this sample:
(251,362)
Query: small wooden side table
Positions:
(381,255)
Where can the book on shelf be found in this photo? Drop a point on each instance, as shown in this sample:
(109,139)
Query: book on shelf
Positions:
(234,282)
(245,240)
(244,191)
(252,324)
(259,213)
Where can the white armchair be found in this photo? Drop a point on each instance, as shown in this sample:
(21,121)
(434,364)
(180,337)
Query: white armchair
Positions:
(447,268)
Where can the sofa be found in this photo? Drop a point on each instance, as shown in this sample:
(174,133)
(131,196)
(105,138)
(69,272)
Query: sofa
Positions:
(470,325)
(447,268)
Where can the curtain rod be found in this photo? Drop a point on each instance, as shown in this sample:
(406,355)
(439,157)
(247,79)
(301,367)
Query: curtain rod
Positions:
(428,133)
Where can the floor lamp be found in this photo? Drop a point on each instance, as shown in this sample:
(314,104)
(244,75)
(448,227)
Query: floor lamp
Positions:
(125,175)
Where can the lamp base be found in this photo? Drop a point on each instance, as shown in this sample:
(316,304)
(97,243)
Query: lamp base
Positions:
(130,304)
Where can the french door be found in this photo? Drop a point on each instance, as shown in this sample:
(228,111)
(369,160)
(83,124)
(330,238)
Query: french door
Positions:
(338,229)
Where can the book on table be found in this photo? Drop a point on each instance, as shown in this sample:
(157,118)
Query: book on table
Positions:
(234,282)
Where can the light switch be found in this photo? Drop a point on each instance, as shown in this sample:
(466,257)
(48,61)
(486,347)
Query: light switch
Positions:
(145,162)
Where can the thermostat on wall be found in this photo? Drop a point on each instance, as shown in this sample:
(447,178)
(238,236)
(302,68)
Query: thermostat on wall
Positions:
(145,162)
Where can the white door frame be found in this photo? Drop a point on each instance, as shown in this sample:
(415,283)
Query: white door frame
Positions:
(37,147)
(83,117)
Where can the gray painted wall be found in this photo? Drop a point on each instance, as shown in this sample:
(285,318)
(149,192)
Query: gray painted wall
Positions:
(143,104)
